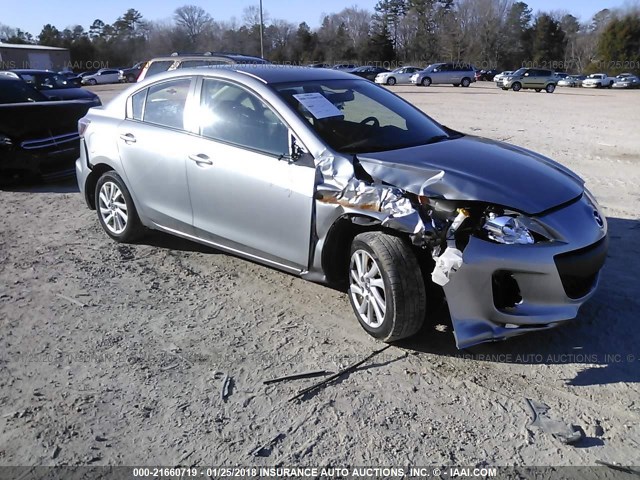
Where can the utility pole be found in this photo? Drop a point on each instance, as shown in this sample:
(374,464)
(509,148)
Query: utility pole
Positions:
(261,32)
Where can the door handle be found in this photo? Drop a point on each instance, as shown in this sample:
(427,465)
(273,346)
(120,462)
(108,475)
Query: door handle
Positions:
(201,159)
(128,137)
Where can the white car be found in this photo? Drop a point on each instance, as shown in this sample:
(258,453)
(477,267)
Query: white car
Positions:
(598,80)
(501,76)
(400,75)
(626,80)
(572,81)
(105,75)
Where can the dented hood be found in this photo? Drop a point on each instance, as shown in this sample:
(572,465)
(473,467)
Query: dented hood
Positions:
(477,169)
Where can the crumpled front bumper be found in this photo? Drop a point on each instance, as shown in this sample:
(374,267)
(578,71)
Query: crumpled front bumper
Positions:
(553,278)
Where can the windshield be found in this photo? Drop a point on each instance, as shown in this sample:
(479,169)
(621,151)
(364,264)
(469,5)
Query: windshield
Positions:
(16,91)
(356,116)
(46,81)
(519,72)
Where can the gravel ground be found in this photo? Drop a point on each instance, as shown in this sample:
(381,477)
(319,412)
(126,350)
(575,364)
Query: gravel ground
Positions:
(118,354)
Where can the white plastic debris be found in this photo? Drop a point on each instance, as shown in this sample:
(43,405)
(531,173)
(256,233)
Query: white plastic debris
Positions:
(446,264)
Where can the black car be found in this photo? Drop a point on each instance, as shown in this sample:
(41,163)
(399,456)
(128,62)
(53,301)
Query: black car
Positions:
(367,72)
(487,75)
(73,78)
(38,136)
(130,75)
(54,86)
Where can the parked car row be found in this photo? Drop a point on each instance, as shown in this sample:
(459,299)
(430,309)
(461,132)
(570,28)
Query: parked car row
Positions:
(541,79)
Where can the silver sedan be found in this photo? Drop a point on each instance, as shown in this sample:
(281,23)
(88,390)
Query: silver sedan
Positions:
(330,177)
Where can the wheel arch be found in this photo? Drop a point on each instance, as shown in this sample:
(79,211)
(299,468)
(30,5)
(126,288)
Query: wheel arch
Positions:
(337,244)
(92,180)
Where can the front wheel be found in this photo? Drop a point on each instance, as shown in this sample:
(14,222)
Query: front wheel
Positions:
(386,289)
(466,82)
(116,212)
(426,81)
(516,87)
(92,81)
(391,81)
(550,88)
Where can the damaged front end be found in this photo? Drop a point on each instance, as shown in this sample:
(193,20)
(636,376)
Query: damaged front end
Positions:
(494,290)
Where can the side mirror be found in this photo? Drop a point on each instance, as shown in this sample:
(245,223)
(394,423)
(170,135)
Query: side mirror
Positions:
(297,152)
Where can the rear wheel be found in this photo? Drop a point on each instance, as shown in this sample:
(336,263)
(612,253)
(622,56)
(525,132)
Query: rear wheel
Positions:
(538,90)
(116,212)
(516,87)
(391,81)
(550,88)
(386,288)
(465,82)
(426,81)
(456,84)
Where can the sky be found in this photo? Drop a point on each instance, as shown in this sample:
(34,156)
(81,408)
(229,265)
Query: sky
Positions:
(31,15)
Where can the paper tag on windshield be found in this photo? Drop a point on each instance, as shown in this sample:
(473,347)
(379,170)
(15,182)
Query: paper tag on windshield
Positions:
(318,105)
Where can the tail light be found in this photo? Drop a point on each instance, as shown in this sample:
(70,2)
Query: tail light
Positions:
(83,123)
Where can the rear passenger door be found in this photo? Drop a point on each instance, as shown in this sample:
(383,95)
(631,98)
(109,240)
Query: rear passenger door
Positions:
(153,142)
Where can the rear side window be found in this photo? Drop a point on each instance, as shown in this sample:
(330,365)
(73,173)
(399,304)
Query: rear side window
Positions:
(165,103)
(158,67)
(137,104)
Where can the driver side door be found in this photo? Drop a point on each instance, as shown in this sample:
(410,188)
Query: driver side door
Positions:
(245,194)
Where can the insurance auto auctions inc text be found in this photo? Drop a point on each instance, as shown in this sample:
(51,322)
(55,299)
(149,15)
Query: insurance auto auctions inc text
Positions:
(376,472)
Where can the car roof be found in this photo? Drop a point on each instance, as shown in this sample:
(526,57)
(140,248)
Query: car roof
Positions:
(238,57)
(272,73)
(30,70)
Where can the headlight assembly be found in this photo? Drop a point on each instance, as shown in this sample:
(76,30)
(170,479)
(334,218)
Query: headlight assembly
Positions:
(512,228)
(507,230)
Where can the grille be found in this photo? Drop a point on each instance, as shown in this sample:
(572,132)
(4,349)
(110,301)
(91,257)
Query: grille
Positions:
(579,269)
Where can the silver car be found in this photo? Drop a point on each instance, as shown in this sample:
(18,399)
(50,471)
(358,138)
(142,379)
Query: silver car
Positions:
(455,74)
(325,175)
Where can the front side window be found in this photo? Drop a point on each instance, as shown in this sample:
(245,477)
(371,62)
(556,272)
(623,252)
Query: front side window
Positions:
(232,114)
(355,116)
(165,103)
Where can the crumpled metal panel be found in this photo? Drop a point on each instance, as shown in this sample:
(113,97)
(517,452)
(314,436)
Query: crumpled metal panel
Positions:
(339,185)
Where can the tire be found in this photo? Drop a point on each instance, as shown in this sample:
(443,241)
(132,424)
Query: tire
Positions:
(391,81)
(505,88)
(516,87)
(116,212)
(538,90)
(598,85)
(456,84)
(550,88)
(610,85)
(92,81)
(426,81)
(131,79)
(465,82)
(393,300)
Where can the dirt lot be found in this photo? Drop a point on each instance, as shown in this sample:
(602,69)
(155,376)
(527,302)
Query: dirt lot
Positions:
(116,354)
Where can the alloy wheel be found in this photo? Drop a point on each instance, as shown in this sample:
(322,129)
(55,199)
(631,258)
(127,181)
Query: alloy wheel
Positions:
(113,208)
(367,290)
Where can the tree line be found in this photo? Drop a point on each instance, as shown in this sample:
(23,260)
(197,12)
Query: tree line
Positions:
(501,34)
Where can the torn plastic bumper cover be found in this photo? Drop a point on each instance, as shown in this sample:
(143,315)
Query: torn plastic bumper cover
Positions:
(473,271)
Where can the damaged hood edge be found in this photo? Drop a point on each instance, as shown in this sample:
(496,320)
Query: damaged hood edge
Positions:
(477,169)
